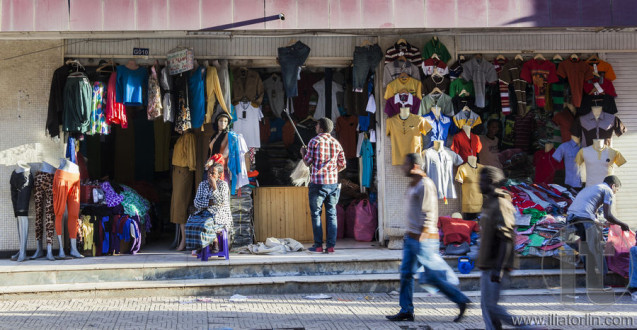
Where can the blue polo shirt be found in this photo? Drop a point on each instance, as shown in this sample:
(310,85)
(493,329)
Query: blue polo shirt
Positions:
(439,128)
(567,151)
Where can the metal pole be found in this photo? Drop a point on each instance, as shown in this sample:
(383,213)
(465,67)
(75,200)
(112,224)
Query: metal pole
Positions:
(246,22)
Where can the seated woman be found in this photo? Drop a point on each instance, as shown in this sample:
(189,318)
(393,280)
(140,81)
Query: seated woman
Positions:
(213,210)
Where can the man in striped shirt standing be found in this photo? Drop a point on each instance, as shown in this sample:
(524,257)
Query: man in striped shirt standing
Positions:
(325,157)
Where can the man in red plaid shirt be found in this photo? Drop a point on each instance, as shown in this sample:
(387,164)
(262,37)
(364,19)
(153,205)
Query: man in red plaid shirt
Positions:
(325,157)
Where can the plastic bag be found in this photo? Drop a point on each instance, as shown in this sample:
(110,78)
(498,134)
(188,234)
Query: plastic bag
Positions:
(340,221)
(365,222)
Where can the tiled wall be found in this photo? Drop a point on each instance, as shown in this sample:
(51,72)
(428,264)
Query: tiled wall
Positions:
(24,97)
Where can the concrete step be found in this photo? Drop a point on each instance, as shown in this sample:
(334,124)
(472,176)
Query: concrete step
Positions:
(361,283)
(184,267)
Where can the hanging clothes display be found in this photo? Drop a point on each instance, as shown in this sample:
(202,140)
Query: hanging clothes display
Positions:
(405,84)
(403,48)
(402,100)
(291,58)
(469,177)
(576,72)
(466,146)
(99,124)
(405,136)
(321,111)
(436,81)
(440,100)
(440,127)
(435,46)
(345,129)
(56,100)
(588,128)
(214,94)
(273,86)
(197,97)
(115,110)
(599,163)
(169,103)
(393,70)
(155,105)
(247,86)
(77,104)
(247,123)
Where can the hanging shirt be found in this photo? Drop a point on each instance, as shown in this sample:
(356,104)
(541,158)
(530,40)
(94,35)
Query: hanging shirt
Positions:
(431,65)
(273,86)
(439,167)
(320,112)
(481,72)
(489,155)
(393,105)
(523,129)
(394,69)
(154,95)
(439,128)
(131,85)
(467,117)
(346,131)
(169,104)
(367,155)
(247,123)
(540,73)
(99,125)
(458,85)
(471,196)
(431,82)
(247,86)
(410,52)
(576,72)
(214,94)
(510,74)
(603,68)
(434,46)
(466,146)
(406,136)
(409,84)
(545,166)
(443,101)
(564,120)
(599,164)
(587,128)
(455,70)
(567,152)
(197,97)
(605,84)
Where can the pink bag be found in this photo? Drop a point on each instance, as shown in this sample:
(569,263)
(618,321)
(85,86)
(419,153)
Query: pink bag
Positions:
(350,217)
(618,246)
(366,221)
(340,221)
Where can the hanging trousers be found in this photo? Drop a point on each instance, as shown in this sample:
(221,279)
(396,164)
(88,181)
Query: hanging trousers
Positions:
(66,193)
(44,206)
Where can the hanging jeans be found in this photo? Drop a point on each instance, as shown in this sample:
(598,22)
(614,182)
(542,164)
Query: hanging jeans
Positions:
(291,59)
(366,60)
(66,193)
(44,206)
(327,194)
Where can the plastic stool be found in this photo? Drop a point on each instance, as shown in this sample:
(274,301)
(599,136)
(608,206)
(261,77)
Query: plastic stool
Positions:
(224,250)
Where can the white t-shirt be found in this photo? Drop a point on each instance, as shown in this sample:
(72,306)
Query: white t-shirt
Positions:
(319,87)
(599,164)
(247,123)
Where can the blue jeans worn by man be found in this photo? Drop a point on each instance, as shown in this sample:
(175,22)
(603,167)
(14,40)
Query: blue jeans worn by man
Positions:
(319,195)
(425,253)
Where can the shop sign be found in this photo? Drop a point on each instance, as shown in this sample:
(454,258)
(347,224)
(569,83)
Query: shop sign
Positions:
(141,52)
(180,60)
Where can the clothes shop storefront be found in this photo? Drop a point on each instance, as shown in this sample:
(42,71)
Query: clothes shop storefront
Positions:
(258,54)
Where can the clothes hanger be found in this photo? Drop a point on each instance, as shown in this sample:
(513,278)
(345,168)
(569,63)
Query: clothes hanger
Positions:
(403,75)
(539,57)
(366,43)
(558,57)
(401,41)
(434,55)
(466,108)
(75,63)
(500,57)
(461,58)
(436,73)
(519,57)
(463,92)
(436,90)
(107,65)
(593,58)
(574,57)
(403,91)
(292,42)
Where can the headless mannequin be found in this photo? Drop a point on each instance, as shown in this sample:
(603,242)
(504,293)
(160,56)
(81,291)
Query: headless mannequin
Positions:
(70,167)
(438,145)
(39,253)
(23,221)
(472,161)
(132,65)
(597,111)
(599,145)
(467,130)
(436,111)
(404,113)
(548,147)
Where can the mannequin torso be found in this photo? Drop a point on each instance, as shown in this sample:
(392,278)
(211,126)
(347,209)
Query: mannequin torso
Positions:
(436,111)
(438,145)
(467,130)
(68,166)
(548,147)
(23,168)
(472,161)
(596,111)
(404,113)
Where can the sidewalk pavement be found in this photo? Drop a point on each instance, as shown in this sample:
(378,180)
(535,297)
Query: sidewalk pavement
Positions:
(343,311)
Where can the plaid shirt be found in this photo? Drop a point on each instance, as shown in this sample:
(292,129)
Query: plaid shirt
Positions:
(324,156)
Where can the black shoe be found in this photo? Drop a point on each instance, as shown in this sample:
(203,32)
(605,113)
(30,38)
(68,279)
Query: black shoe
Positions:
(214,248)
(401,317)
(463,308)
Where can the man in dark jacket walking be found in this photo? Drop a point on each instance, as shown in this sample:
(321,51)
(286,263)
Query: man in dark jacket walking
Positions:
(497,235)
